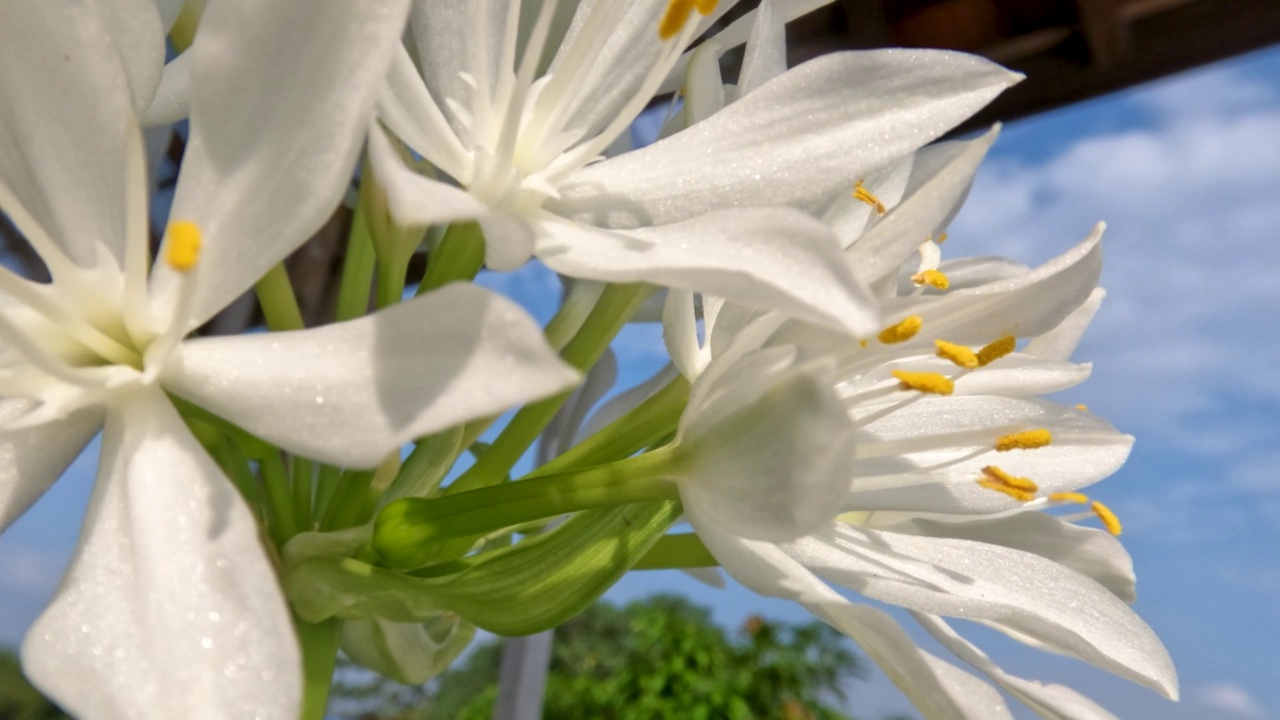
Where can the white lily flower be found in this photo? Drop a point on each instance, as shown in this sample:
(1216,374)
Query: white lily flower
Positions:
(522,135)
(939,514)
(170,607)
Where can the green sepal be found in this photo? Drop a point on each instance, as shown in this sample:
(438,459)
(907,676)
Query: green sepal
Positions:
(409,653)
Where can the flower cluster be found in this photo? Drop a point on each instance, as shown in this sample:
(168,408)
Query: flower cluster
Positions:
(843,407)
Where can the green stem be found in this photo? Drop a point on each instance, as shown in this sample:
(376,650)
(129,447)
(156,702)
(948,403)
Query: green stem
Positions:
(237,467)
(348,501)
(301,471)
(391,272)
(280,518)
(636,430)
(407,532)
(319,643)
(279,304)
(616,305)
(357,269)
(327,483)
(684,550)
(458,256)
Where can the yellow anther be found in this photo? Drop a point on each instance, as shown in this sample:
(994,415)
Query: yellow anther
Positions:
(1082,407)
(183,249)
(1069,497)
(996,350)
(1026,440)
(677,15)
(941,238)
(1108,518)
(864,343)
(932,278)
(1019,488)
(864,195)
(925,382)
(958,354)
(902,331)
(995,474)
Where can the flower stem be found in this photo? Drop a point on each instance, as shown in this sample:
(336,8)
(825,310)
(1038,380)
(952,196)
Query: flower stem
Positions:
(300,469)
(319,644)
(616,305)
(642,426)
(407,533)
(280,518)
(458,256)
(357,269)
(279,304)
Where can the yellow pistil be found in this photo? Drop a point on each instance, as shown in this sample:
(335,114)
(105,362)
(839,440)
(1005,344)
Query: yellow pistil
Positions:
(996,350)
(1069,497)
(958,354)
(677,15)
(183,249)
(902,331)
(932,278)
(925,382)
(1108,518)
(1026,440)
(864,195)
(1019,488)
(1082,407)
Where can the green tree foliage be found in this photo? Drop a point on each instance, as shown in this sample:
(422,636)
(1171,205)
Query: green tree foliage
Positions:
(18,699)
(661,657)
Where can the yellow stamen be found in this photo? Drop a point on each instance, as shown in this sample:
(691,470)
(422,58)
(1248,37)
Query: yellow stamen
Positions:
(958,354)
(902,331)
(864,343)
(996,350)
(183,249)
(933,278)
(941,238)
(1082,407)
(1108,518)
(1069,497)
(864,195)
(995,474)
(1026,440)
(1013,492)
(925,382)
(677,15)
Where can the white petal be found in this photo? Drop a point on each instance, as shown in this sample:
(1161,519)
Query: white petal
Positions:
(795,141)
(408,109)
(33,457)
(1008,589)
(1052,702)
(62,132)
(172,101)
(766,53)
(352,392)
(170,608)
(137,30)
(680,333)
(928,456)
(773,258)
(764,449)
(418,201)
(1060,342)
(704,88)
(938,689)
(1024,306)
(940,179)
(1091,552)
(281,98)
(850,218)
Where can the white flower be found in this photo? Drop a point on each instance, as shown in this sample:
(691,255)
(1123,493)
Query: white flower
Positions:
(170,607)
(520,122)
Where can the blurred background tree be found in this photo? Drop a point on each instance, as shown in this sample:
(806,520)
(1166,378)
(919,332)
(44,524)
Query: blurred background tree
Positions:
(18,699)
(660,657)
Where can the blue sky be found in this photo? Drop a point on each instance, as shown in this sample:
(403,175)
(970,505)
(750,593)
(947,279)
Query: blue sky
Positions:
(1186,172)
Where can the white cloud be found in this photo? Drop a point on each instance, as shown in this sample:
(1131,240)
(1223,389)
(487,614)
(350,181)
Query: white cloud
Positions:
(1227,697)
